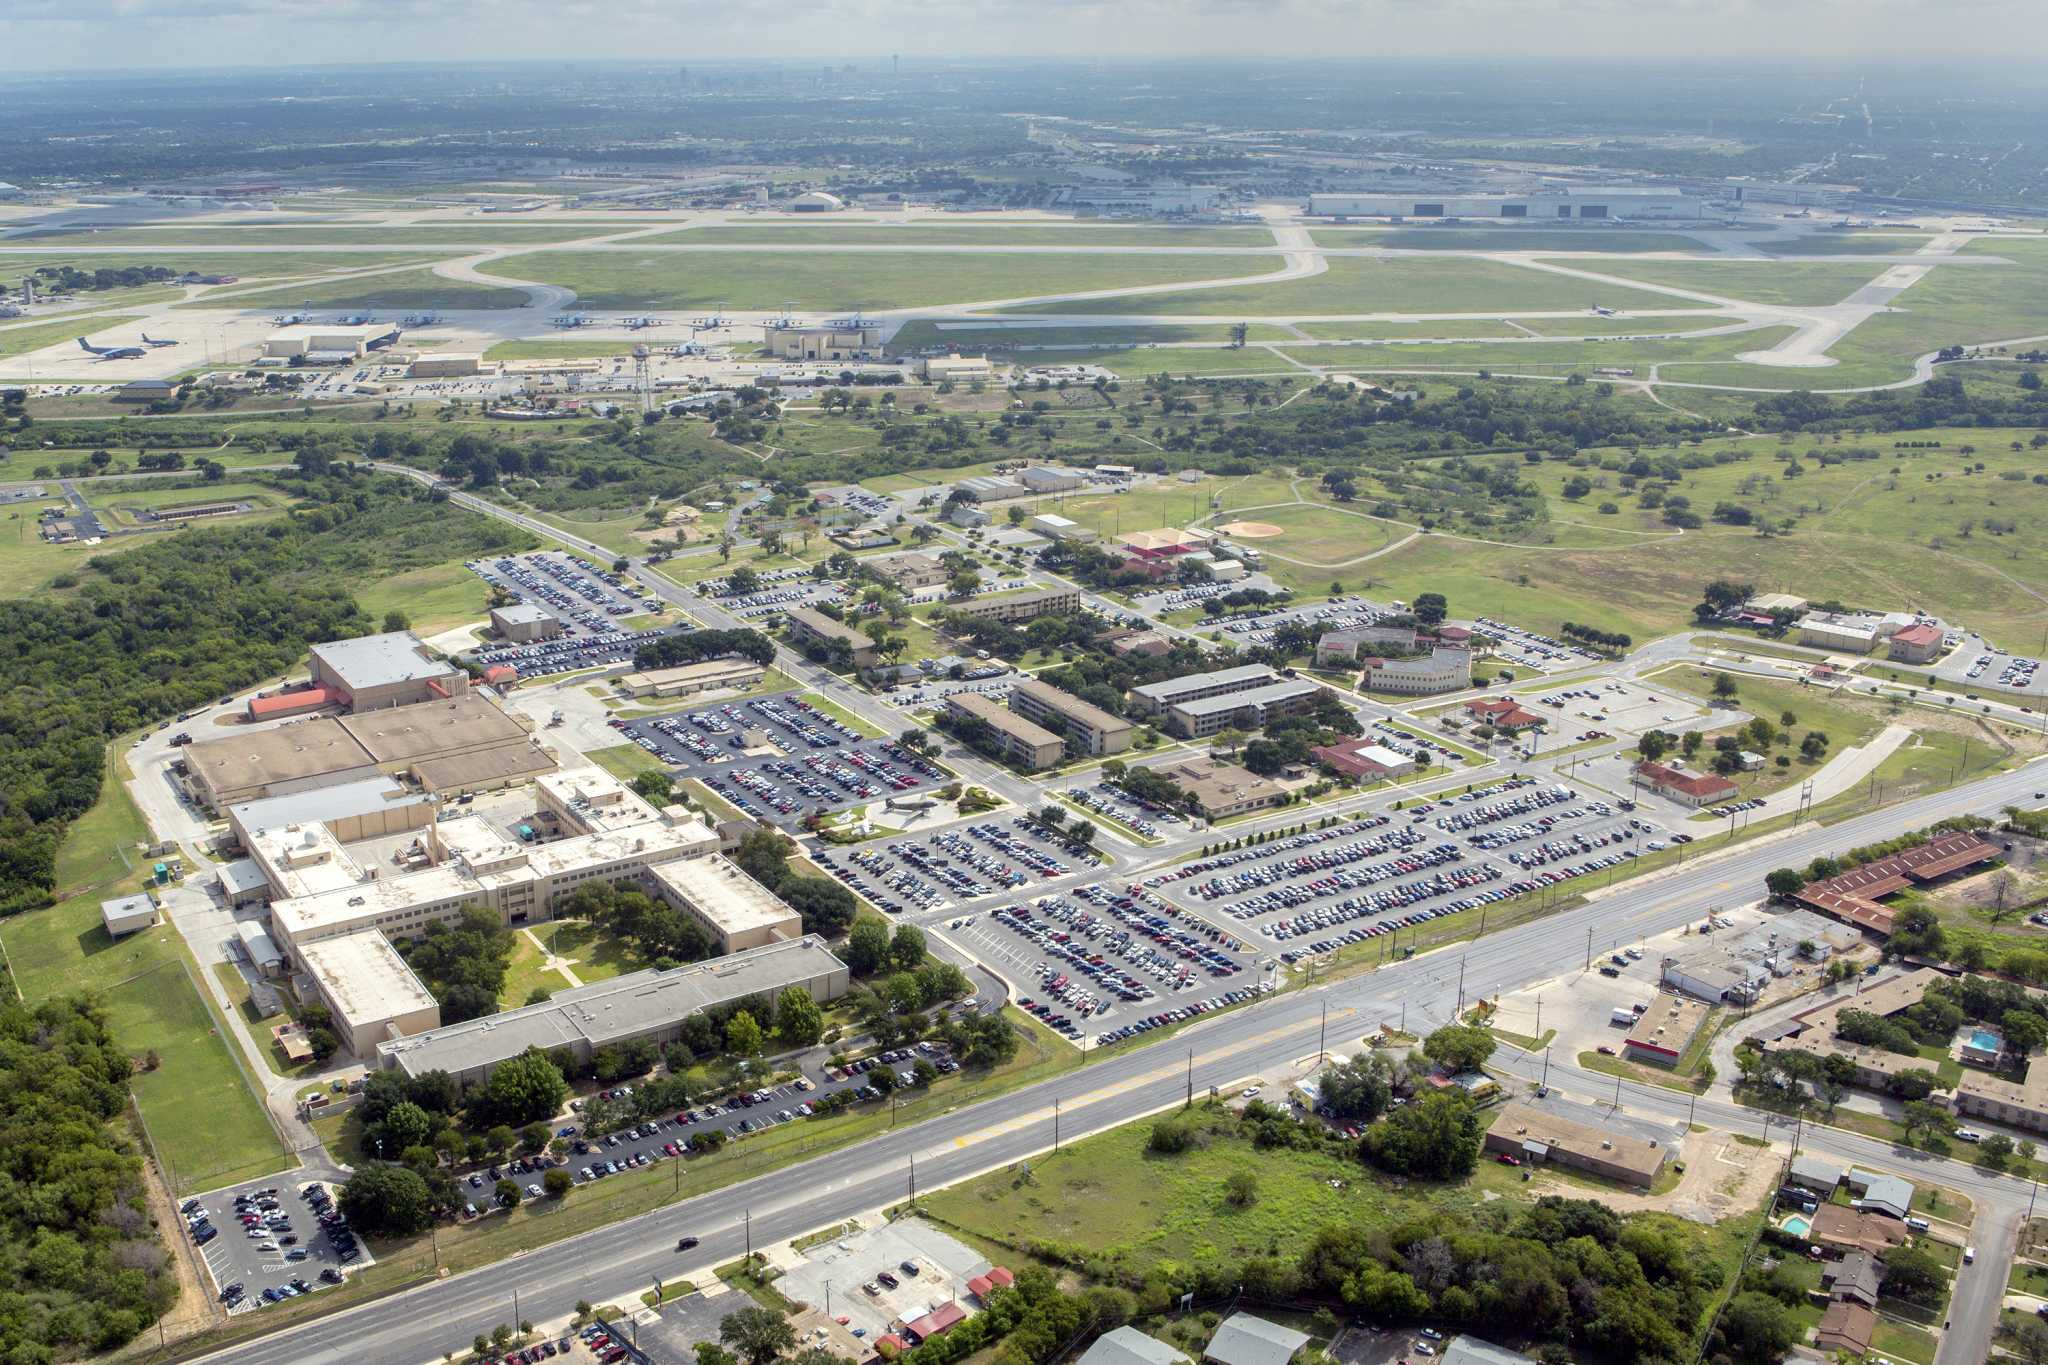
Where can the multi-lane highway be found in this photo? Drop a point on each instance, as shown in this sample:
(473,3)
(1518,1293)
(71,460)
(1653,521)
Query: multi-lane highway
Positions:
(620,1261)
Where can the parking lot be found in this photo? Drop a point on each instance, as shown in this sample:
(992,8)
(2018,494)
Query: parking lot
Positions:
(886,1276)
(587,599)
(1529,649)
(270,1242)
(778,758)
(1378,874)
(1600,708)
(953,866)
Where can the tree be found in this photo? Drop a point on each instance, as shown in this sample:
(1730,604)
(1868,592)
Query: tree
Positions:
(654,786)
(387,1201)
(1915,1276)
(867,947)
(1653,745)
(1435,1138)
(825,907)
(743,1035)
(906,947)
(1784,881)
(1459,1047)
(1359,1088)
(1995,1151)
(1241,1189)
(758,1335)
(1757,1329)
(507,1193)
(1430,608)
(525,1089)
(798,1020)
(395,620)
(1725,686)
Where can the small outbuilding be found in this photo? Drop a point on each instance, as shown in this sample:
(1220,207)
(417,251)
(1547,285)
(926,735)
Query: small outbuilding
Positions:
(1129,1346)
(1246,1340)
(127,914)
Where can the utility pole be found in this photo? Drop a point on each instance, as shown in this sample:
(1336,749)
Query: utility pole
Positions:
(1544,1084)
(515,1309)
(913,1184)
(1055,1123)
(1690,1106)
(1191,1080)
(1461,990)
(1617,1092)
(1589,947)
(748,1216)
(1323,1033)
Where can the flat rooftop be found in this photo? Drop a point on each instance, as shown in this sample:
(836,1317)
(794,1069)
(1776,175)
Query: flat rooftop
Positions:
(723,894)
(365,977)
(1072,707)
(302,860)
(1001,718)
(1286,689)
(378,660)
(288,753)
(710,670)
(1163,693)
(626,1006)
(523,613)
(361,901)
(338,802)
(1606,1146)
(596,800)
(431,729)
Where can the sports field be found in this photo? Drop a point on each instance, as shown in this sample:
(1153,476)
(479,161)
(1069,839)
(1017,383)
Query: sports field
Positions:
(1313,534)
(1396,284)
(767,279)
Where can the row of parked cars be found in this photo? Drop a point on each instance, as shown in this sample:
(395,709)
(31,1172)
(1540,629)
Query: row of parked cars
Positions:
(1190,1011)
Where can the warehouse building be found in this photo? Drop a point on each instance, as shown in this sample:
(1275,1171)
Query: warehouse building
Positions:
(735,910)
(394,669)
(1031,746)
(445,365)
(939,369)
(687,680)
(1664,1031)
(1056,527)
(1537,1138)
(1088,728)
(650,1005)
(1559,203)
(1857,896)
(1252,709)
(1046,479)
(1126,198)
(1840,633)
(521,622)
(1023,606)
(327,340)
(807,625)
(831,341)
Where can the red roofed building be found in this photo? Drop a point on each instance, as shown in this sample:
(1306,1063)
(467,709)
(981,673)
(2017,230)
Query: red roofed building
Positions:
(1916,644)
(292,703)
(944,1318)
(1502,714)
(1854,896)
(1689,789)
(1001,1278)
(501,673)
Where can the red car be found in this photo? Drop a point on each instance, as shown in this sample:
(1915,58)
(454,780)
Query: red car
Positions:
(1508,1159)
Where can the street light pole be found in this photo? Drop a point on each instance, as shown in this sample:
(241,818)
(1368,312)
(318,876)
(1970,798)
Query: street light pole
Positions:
(1055,1123)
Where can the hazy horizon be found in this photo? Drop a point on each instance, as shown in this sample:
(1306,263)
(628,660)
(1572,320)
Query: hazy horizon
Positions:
(108,36)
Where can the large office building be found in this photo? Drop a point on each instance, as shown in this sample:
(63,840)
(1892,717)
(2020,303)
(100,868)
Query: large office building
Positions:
(1557,203)
(1032,746)
(369,990)
(649,1005)
(376,671)
(1155,698)
(910,571)
(1088,728)
(1024,606)
(1252,709)
(735,910)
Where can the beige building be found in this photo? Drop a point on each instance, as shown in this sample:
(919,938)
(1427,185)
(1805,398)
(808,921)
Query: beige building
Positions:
(1842,634)
(1222,789)
(352,811)
(849,341)
(1033,746)
(1445,668)
(1538,1138)
(910,572)
(689,679)
(368,988)
(958,368)
(2022,1103)
(445,365)
(522,622)
(735,910)
(1089,729)
(810,626)
(1026,606)
(1251,709)
(394,669)
(127,914)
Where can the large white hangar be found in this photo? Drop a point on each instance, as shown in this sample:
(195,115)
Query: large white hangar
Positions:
(1558,203)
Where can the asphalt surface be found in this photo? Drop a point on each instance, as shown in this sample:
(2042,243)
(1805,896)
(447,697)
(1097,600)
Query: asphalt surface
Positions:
(622,1259)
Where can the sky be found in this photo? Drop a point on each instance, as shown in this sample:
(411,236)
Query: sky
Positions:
(106,35)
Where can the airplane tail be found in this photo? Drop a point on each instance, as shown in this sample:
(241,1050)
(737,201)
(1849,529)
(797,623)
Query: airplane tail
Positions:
(88,346)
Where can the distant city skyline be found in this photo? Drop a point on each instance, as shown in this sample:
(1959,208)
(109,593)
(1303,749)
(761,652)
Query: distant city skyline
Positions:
(87,35)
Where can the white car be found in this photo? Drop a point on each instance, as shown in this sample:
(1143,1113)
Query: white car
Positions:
(1968,1135)
(1251,1092)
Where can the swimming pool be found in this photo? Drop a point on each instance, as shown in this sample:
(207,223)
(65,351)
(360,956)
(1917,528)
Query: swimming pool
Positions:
(1984,1040)
(1797,1225)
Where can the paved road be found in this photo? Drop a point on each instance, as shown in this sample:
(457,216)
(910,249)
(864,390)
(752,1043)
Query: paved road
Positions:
(623,1259)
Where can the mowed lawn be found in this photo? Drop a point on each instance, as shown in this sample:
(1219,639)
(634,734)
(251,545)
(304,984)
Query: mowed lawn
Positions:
(1504,239)
(881,279)
(1173,504)
(35,336)
(1395,284)
(1544,356)
(247,264)
(397,289)
(433,599)
(1318,535)
(221,236)
(207,1123)
(1793,283)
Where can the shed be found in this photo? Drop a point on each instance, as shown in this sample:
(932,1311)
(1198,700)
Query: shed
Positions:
(1245,1340)
(127,914)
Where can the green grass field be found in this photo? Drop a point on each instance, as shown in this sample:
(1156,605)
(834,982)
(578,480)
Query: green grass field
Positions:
(923,332)
(1402,284)
(1182,360)
(1504,239)
(200,1111)
(432,599)
(394,290)
(250,265)
(1170,504)
(1317,535)
(965,234)
(1416,331)
(114,507)
(1542,357)
(353,234)
(765,279)
(1849,244)
(1795,283)
(35,336)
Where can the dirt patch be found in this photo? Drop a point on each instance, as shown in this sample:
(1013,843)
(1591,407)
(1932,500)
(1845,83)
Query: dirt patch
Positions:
(195,1311)
(1253,530)
(1722,1178)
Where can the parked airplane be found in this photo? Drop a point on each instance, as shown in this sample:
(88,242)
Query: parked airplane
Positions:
(147,340)
(114,352)
(637,323)
(290,318)
(570,320)
(421,319)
